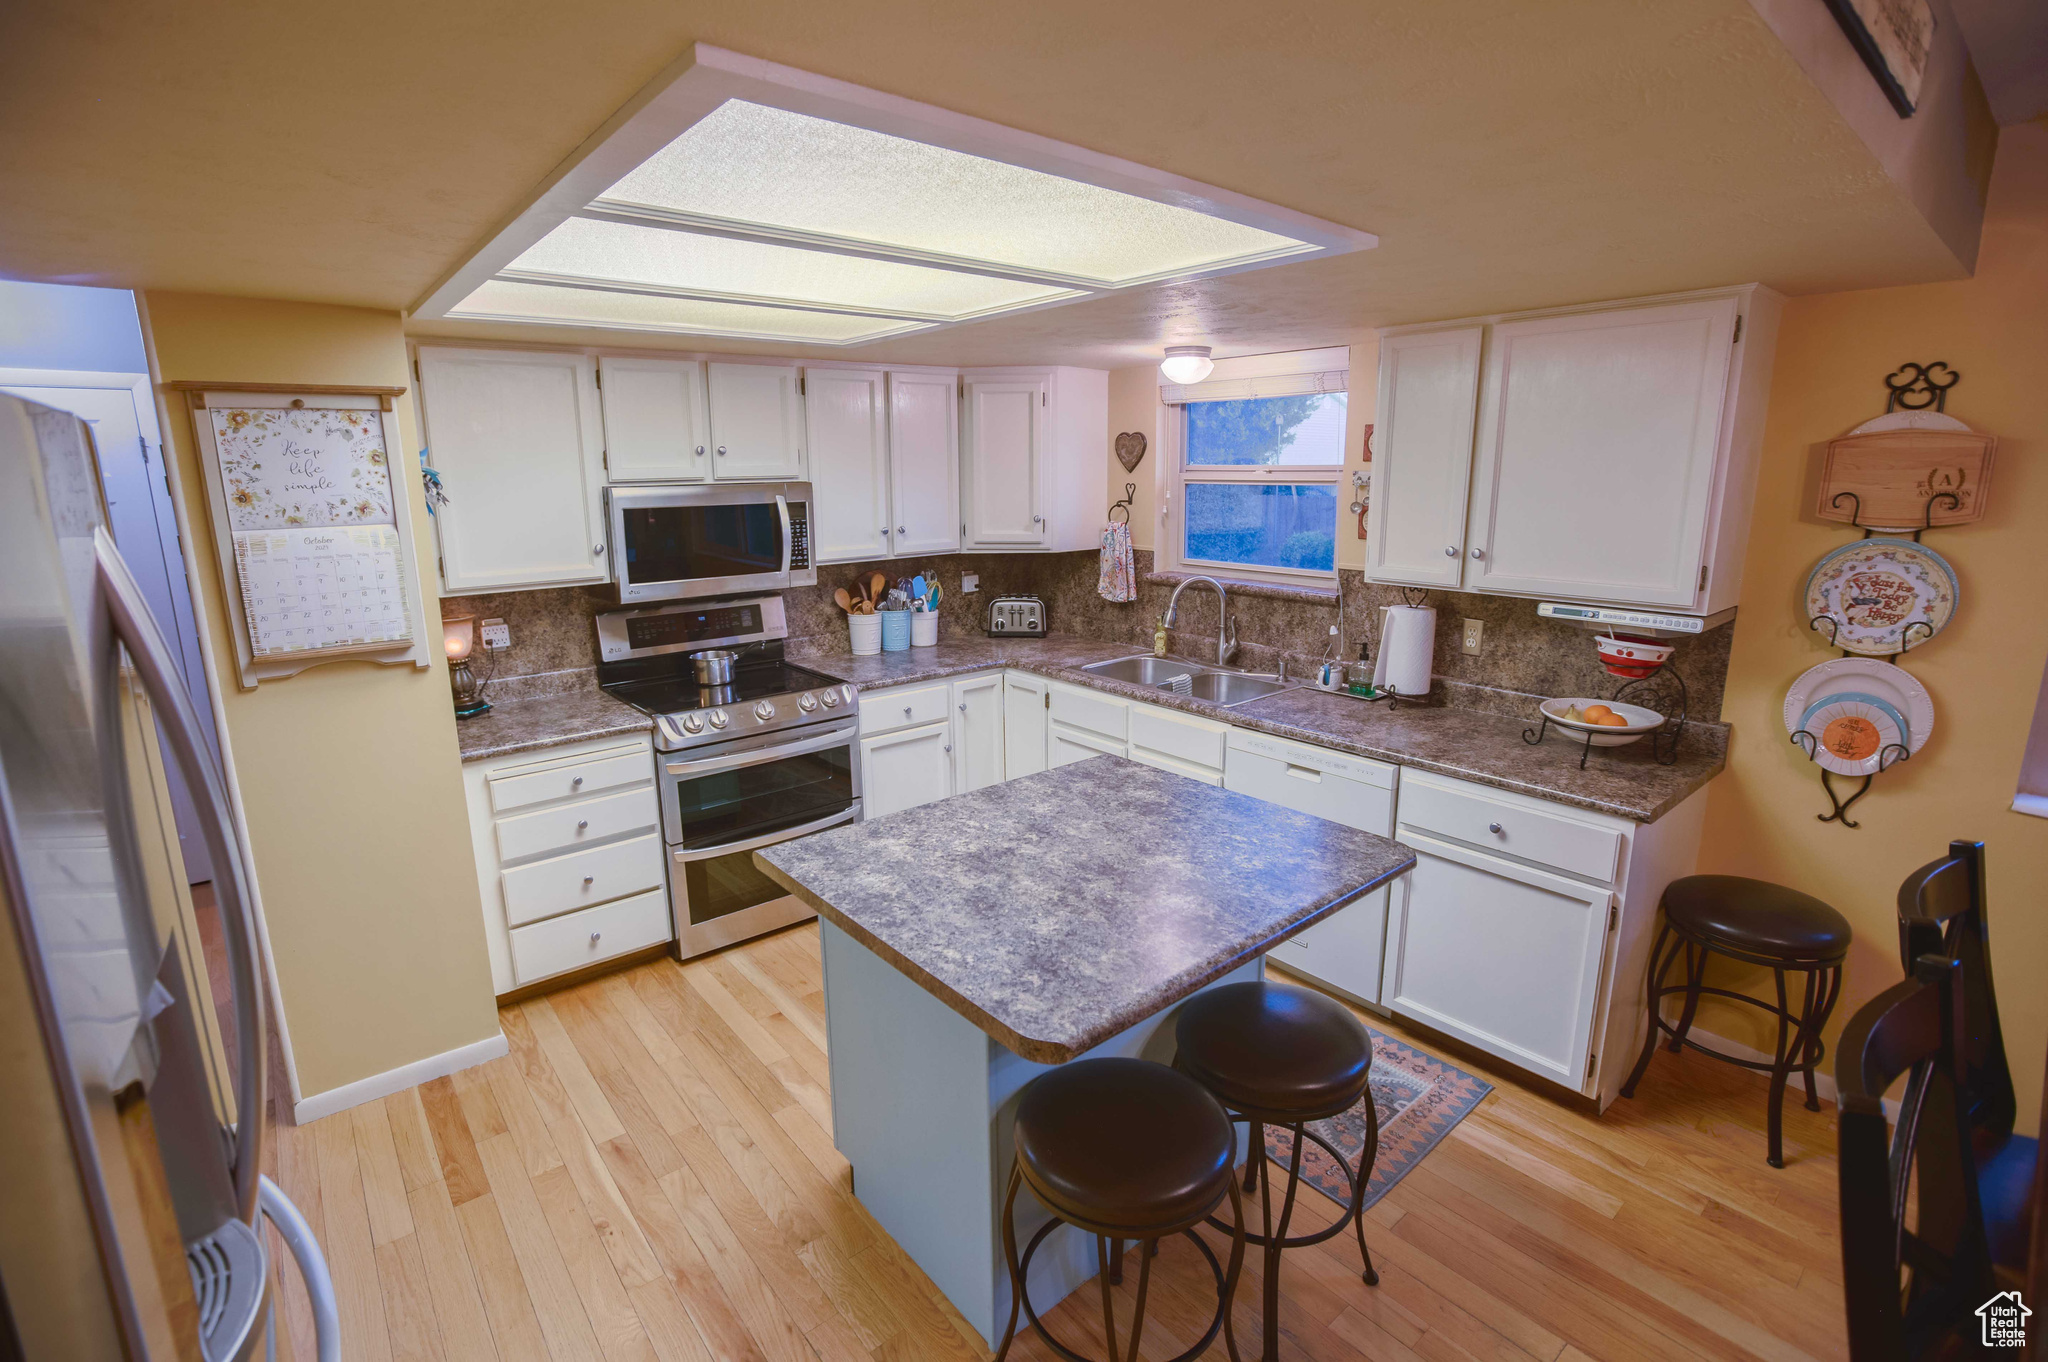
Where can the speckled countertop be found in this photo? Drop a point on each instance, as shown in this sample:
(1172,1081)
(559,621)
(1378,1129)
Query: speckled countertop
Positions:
(1625,782)
(1059,909)
(549,721)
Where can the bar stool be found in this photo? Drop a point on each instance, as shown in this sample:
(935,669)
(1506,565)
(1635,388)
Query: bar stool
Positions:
(1122,1149)
(1758,923)
(1278,1055)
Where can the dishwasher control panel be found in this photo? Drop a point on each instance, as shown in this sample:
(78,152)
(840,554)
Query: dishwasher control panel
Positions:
(1016,616)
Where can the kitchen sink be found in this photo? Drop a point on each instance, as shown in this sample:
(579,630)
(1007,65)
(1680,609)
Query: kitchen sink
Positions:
(1233,688)
(1145,670)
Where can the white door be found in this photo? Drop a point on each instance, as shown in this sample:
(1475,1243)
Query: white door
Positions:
(905,769)
(1422,456)
(1596,451)
(757,421)
(1499,955)
(655,425)
(518,441)
(977,732)
(1069,745)
(1344,950)
(1005,431)
(924,462)
(848,431)
(1024,725)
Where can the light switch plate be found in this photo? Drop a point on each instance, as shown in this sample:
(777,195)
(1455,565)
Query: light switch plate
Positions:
(497,635)
(970,582)
(1473,630)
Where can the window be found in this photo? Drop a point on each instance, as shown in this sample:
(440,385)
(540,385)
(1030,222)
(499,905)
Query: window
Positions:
(1259,482)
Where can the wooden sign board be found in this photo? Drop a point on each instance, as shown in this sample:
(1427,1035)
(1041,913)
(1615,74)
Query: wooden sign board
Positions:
(1893,475)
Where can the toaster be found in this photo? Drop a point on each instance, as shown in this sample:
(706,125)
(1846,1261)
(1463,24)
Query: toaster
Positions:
(1016,617)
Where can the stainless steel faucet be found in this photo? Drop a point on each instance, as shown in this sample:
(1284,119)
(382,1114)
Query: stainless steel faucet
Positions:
(1226,628)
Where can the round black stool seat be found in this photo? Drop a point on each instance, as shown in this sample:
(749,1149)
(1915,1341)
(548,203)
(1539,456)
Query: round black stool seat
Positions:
(1274,1048)
(1124,1142)
(1756,917)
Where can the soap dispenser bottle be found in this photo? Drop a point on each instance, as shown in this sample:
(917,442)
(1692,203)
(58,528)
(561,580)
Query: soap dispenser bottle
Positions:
(1159,637)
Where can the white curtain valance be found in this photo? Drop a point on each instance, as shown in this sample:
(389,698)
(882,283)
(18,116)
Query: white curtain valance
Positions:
(1271,385)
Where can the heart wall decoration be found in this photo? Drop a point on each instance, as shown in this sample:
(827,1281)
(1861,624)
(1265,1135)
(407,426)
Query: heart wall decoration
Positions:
(1130,449)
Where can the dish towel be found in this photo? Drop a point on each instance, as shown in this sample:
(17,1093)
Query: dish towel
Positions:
(1119,580)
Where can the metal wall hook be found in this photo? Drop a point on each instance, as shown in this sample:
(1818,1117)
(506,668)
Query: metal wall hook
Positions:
(1129,499)
(1916,387)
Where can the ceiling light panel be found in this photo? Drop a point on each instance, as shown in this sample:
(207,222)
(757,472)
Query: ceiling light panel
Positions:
(747,163)
(692,262)
(503,300)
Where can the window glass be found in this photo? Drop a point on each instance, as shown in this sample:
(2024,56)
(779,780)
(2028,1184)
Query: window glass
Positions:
(1282,525)
(1261,432)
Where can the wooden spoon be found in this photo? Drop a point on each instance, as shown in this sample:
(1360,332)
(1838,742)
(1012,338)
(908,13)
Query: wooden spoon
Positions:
(845,600)
(880,585)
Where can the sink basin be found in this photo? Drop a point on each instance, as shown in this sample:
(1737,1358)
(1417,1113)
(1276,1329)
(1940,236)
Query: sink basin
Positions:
(1145,670)
(1233,688)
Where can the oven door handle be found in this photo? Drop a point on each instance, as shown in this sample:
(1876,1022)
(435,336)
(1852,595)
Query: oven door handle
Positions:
(766,839)
(788,547)
(707,766)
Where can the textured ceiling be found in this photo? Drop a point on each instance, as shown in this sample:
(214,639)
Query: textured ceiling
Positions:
(1507,156)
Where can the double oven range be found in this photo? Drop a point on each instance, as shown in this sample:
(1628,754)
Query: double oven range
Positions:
(771,756)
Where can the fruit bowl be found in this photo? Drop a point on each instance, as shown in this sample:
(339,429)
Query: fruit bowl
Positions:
(1640,720)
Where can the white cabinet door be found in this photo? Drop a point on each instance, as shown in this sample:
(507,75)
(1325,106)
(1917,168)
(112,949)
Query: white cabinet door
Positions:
(1597,444)
(1344,950)
(1004,435)
(904,769)
(1069,745)
(655,425)
(848,433)
(757,421)
(1422,456)
(924,462)
(1024,725)
(518,441)
(977,732)
(1499,955)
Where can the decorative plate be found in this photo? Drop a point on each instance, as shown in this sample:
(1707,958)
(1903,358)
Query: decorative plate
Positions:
(1887,695)
(1878,589)
(1852,732)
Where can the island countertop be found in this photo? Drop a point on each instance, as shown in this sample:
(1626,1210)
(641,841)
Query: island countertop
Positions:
(1059,909)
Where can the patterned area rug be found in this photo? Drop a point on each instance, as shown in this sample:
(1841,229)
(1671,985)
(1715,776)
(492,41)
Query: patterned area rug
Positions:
(1418,1097)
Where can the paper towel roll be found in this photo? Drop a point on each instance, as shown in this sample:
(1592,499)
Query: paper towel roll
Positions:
(1407,646)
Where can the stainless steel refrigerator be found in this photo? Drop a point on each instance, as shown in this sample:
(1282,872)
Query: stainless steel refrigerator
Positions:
(132,1204)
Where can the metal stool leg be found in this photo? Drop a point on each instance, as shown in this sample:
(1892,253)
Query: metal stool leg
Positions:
(1010,1257)
(1660,965)
(1367,1158)
(1695,975)
(1254,1154)
(1781,1068)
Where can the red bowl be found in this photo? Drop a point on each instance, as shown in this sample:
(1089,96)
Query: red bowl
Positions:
(1633,671)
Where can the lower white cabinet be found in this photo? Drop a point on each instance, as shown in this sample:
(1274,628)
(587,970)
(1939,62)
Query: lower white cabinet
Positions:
(1069,745)
(1182,743)
(1026,715)
(908,767)
(977,732)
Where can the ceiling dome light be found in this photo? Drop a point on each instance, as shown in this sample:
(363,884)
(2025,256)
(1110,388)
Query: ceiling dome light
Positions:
(1187,363)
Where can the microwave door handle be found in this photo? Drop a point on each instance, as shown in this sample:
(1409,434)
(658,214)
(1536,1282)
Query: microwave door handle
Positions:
(125,613)
(788,544)
(766,839)
(838,737)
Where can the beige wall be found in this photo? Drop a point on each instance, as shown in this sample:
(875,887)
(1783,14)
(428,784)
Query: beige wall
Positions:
(348,772)
(1984,672)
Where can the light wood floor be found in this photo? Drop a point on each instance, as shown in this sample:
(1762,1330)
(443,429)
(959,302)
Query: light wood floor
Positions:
(650,1174)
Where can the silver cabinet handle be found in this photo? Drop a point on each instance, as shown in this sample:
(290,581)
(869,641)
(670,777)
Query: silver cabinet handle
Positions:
(1479,553)
(597,549)
(576,782)
(721,449)
(885,531)
(963,706)
(1493,828)
(582,824)
(595,937)
(902,530)
(949,747)
(589,880)
(906,711)
(700,451)
(1450,550)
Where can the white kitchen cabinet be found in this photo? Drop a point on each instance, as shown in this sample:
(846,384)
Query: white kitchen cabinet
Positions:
(906,768)
(1607,454)
(657,425)
(924,462)
(1069,745)
(1034,458)
(1026,717)
(757,421)
(518,440)
(846,414)
(977,732)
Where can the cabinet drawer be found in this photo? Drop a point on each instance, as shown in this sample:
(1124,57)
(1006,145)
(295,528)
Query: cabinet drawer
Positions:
(1182,736)
(1206,774)
(568,826)
(884,711)
(1511,827)
(595,934)
(1098,713)
(522,786)
(1069,745)
(581,879)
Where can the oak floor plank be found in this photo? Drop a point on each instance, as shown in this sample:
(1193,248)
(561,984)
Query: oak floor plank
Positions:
(768,1320)
(556,1301)
(453,1144)
(351,1254)
(620,1335)
(522,1115)
(542,1083)
(479,1104)
(585,1098)
(451,1279)
(408,1309)
(383,1180)
(759,972)
(630,1253)
(414,1143)
(501,1284)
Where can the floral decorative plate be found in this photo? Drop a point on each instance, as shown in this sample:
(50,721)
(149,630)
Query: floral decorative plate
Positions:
(1856,703)
(1885,595)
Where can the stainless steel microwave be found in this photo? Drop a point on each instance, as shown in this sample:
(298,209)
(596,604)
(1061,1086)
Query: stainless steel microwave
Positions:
(683,542)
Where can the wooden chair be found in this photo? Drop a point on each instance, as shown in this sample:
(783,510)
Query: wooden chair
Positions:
(1910,1293)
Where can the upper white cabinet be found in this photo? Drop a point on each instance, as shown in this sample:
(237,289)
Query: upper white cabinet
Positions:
(1034,458)
(757,421)
(924,461)
(846,410)
(1598,454)
(518,441)
(656,424)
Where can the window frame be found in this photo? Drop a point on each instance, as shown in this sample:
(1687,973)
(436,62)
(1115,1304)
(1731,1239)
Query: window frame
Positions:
(1175,474)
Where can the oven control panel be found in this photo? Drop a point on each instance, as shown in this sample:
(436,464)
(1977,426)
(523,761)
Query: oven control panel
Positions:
(1016,616)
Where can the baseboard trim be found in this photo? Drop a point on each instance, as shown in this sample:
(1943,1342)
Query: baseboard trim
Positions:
(398,1080)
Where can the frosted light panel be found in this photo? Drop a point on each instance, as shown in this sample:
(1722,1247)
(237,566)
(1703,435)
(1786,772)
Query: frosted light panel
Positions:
(588,249)
(753,164)
(507,301)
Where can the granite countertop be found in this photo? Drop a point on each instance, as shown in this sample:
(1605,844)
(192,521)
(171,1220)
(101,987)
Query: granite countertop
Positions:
(1624,782)
(1058,909)
(548,721)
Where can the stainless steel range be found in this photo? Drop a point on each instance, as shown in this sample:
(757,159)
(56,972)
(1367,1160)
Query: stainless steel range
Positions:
(768,756)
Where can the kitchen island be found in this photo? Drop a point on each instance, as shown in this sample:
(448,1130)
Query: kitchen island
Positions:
(971,943)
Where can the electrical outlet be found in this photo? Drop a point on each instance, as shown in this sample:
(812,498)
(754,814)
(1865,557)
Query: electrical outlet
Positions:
(497,635)
(970,582)
(1473,630)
